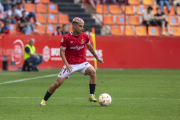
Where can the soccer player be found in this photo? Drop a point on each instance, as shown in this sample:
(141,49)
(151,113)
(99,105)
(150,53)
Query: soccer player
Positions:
(72,51)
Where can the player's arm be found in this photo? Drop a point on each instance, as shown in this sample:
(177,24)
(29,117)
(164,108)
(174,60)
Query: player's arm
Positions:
(91,49)
(62,54)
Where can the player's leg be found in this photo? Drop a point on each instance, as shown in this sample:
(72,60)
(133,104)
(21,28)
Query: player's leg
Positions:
(52,89)
(92,82)
(92,73)
(63,75)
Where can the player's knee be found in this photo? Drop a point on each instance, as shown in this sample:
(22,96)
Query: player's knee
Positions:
(57,84)
(93,73)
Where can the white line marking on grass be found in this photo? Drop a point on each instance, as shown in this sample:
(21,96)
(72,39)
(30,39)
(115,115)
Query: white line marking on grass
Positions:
(20,80)
(86,98)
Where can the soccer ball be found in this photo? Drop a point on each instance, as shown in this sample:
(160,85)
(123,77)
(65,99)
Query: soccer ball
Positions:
(105,99)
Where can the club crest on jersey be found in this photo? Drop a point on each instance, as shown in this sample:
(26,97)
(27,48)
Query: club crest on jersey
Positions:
(71,42)
(82,41)
(59,74)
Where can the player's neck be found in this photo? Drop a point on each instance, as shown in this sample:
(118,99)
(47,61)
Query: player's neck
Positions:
(75,34)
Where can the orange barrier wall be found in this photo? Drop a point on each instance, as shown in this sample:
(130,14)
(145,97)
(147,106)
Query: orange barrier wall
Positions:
(117,52)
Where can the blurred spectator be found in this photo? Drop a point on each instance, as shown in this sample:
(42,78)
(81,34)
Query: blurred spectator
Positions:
(30,56)
(2,1)
(176,3)
(93,3)
(58,31)
(64,31)
(30,1)
(24,24)
(166,2)
(10,15)
(0,25)
(88,32)
(160,17)
(37,1)
(1,8)
(5,29)
(13,2)
(7,5)
(30,15)
(148,17)
(114,2)
(123,1)
(33,1)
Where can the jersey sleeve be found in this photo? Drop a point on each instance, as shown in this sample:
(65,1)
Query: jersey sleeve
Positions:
(88,40)
(63,43)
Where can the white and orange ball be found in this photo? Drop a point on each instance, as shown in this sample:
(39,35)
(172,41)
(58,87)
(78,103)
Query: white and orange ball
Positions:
(105,99)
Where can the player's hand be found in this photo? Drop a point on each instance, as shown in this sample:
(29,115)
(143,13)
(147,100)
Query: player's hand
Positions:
(100,60)
(69,68)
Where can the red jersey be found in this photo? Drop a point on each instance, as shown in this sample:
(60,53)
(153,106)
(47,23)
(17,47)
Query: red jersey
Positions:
(75,47)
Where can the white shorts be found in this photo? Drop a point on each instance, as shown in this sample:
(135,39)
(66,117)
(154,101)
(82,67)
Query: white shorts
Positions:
(75,68)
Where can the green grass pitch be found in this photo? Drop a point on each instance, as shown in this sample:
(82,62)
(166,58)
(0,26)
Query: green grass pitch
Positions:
(136,95)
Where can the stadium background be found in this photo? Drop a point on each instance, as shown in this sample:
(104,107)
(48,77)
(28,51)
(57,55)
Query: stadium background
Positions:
(122,40)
